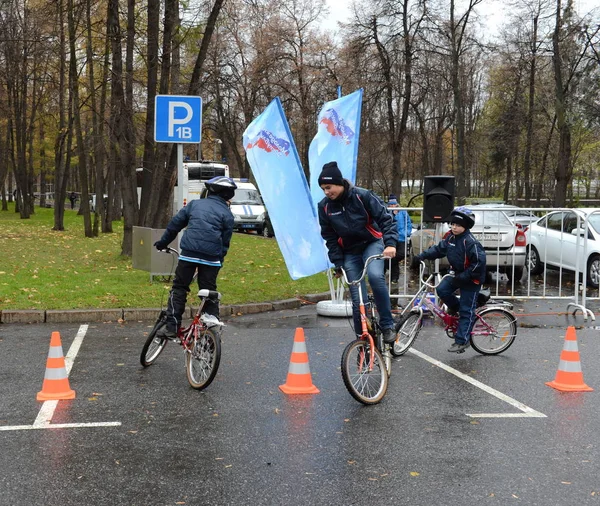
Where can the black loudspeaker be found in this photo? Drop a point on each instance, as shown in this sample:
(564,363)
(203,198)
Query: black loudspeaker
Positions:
(438,198)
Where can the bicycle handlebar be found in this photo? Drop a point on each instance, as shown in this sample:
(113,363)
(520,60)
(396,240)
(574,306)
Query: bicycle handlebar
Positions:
(168,249)
(426,282)
(364,273)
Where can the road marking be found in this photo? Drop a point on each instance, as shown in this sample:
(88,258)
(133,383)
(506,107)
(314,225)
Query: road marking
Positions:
(48,407)
(527,412)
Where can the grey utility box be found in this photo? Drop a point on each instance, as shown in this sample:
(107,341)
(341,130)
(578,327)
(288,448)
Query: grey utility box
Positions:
(147,258)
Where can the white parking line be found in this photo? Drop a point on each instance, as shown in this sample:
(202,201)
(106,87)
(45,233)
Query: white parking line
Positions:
(47,410)
(527,412)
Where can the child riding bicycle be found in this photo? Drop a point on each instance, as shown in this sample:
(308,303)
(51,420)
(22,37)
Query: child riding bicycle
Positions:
(466,257)
(204,245)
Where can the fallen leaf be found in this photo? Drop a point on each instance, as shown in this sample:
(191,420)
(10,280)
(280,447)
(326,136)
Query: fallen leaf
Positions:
(414,473)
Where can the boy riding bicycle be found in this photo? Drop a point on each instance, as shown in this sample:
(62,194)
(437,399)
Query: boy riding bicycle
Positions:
(204,245)
(466,257)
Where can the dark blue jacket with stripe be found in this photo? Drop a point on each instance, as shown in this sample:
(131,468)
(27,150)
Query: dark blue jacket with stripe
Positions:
(466,257)
(355,219)
(209,229)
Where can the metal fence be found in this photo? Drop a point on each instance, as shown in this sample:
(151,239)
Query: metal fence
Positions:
(569,234)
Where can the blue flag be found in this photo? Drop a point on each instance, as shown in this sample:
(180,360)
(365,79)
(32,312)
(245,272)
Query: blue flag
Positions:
(275,163)
(336,140)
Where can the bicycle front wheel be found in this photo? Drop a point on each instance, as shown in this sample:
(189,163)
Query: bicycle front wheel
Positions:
(202,360)
(367,382)
(407,330)
(154,345)
(494,331)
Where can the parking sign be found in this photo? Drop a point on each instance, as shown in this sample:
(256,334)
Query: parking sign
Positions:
(178,119)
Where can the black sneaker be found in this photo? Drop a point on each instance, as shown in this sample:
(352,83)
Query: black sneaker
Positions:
(389,335)
(458,348)
(452,312)
(167,333)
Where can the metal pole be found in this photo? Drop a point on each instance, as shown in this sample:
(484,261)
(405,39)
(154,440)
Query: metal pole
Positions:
(180,185)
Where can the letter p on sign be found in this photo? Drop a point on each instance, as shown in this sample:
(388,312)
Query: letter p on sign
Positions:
(173,106)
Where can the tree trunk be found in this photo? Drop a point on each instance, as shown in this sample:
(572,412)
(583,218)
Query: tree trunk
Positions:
(150,176)
(84,205)
(530,113)
(563,167)
(60,166)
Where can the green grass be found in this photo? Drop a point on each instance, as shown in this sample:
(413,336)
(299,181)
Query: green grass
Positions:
(45,269)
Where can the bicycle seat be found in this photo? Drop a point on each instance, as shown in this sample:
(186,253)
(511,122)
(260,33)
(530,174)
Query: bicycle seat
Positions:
(483,296)
(210,294)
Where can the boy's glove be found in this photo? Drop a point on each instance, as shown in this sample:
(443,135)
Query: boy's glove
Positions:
(161,245)
(461,279)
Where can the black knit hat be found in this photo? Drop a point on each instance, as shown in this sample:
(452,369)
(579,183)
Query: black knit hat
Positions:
(331,174)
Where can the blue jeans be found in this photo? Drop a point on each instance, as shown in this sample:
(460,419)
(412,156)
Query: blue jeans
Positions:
(466,306)
(354,265)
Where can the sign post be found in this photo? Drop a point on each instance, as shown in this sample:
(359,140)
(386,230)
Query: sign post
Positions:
(178,119)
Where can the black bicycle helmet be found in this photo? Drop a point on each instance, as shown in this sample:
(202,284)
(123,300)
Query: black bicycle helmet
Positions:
(222,186)
(462,216)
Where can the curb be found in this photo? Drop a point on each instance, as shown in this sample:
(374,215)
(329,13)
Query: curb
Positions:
(141,314)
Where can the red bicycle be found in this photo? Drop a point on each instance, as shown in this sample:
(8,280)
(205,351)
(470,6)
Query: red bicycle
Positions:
(201,342)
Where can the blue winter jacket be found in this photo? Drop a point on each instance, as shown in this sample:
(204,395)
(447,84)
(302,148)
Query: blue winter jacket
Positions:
(404,225)
(209,229)
(357,218)
(466,257)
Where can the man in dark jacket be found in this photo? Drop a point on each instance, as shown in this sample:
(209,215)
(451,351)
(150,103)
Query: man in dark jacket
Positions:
(204,245)
(466,257)
(356,224)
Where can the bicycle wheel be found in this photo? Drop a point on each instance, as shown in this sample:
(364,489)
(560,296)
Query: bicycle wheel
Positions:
(202,361)
(494,331)
(365,383)
(153,346)
(407,330)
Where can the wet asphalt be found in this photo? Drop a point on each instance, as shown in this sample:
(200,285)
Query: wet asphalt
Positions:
(242,441)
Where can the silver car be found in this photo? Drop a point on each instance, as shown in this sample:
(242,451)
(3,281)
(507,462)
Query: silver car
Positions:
(518,215)
(503,241)
(558,241)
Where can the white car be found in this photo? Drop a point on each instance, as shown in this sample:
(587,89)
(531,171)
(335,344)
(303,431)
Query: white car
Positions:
(503,241)
(558,241)
(248,209)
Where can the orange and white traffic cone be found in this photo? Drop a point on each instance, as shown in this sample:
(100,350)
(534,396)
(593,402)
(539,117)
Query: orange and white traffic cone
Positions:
(299,380)
(56,382)
(569,377)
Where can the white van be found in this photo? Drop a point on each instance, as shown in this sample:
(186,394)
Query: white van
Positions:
(248,209)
